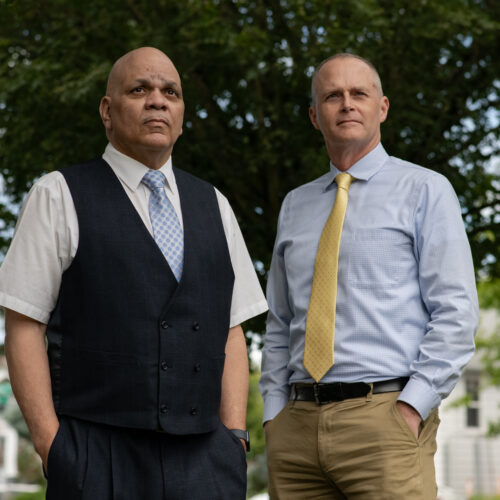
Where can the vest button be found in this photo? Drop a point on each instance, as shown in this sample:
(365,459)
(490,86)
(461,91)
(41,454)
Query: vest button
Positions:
(164,365)
(196,326)
(197,367)
(163,409)
(193,411)
(164,324)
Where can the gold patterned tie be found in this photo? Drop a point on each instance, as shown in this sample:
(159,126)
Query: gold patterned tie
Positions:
(320,324)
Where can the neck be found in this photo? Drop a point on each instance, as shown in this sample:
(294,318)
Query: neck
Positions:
(151,158)
(154,163)
(344,156)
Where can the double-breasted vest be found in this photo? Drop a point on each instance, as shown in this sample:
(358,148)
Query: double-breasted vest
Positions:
(127,344)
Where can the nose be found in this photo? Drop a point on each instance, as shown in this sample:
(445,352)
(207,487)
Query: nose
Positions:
(156,100)
(346,102)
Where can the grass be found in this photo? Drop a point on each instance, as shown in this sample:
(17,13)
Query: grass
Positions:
(39,495)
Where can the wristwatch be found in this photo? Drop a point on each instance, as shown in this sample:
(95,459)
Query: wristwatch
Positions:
(242,434)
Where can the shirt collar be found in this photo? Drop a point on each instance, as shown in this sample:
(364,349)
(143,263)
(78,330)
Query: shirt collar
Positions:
(365,168)
(131,171)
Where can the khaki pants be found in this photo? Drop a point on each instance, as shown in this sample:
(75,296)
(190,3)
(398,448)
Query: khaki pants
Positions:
(354,449)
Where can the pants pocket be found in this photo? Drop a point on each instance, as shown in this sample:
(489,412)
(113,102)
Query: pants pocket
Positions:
(236,440)
(67,461)
(54,449)
(270,423)
(429,427)
(402,423)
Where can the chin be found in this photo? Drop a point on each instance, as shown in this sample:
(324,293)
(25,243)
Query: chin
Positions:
(348,137)
(157,142)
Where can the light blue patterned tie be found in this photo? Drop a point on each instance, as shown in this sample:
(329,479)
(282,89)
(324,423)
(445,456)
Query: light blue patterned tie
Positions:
(166,226)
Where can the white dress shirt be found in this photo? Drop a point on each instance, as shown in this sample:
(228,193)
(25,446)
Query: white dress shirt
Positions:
(46,239)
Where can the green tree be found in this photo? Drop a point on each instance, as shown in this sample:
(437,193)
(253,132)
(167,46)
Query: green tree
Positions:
(257,468)
(246,68)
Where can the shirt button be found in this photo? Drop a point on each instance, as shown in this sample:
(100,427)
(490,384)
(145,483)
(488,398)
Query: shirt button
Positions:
(163,408)
(164,365)
(196,326)
(193,411)
(197,367)
(164,324)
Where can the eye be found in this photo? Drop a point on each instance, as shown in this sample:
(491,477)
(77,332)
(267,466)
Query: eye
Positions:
(333,95)
(360,93)
(138,90)
(171,92)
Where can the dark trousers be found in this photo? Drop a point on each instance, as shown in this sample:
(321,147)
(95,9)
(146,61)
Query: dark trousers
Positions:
(89,461)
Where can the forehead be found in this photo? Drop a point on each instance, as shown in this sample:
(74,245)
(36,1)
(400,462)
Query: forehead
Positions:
(345,72)
(149,66)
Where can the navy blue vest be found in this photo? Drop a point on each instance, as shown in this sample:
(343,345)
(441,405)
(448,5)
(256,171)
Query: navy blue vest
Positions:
(127,345)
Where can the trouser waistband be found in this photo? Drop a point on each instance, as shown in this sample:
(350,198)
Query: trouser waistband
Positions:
(338,391)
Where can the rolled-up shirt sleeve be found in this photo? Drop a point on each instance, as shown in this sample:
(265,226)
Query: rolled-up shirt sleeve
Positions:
(448,290)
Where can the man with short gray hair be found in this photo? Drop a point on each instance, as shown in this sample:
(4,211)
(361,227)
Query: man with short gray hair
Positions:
(372,309)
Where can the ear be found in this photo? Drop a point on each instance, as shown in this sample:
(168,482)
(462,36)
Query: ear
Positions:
(312,117)
(105,111)
(384,108)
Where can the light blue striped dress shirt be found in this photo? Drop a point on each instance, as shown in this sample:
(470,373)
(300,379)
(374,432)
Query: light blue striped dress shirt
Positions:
(406,300)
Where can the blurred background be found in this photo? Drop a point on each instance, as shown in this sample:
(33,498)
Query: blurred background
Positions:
(245,69)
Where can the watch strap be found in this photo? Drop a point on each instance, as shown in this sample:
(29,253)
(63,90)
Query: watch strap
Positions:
(242,434)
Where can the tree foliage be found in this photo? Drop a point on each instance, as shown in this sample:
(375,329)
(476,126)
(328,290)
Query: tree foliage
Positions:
(246,68)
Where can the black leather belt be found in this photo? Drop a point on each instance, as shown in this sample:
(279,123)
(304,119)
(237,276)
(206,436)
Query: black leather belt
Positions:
(338,391)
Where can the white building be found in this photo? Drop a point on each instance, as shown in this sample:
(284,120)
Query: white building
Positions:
(8,443)
(468,462)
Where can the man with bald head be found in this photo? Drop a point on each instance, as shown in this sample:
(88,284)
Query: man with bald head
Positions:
(136,276)
(372,309)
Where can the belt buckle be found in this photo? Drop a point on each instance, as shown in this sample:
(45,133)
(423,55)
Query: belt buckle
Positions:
(316,393)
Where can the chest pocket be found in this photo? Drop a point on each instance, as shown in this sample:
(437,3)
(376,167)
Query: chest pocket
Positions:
(379,258)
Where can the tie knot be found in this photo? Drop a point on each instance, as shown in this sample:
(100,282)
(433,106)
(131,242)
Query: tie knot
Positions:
(344,180)
(154,180)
